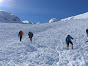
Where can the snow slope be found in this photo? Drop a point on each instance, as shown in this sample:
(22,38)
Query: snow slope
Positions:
(8,17)
(48,47)
(80,16)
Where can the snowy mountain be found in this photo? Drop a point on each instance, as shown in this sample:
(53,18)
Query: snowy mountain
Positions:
(53,20)
(8,17)
(80,16)
(27,22)
(48,47)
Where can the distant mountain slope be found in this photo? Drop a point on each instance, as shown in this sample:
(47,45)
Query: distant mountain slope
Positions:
(8,17)
(80,16)
(53,20)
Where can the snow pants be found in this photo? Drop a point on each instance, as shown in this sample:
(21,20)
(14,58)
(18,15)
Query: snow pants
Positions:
(70,43)
(20,38)
(30,38)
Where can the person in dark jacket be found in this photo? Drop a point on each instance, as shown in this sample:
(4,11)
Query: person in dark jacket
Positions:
(20,35)
(68,40)
(87,32)
(30,34)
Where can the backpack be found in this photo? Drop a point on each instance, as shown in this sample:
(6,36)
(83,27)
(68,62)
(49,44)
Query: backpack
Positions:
(30,34)
(68,38)
(21,33)
(87,31)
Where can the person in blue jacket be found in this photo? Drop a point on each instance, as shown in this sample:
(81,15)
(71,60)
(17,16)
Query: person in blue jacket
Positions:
(68,40)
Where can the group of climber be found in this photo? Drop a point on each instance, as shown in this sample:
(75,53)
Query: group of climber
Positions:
(30,34)
(68,38)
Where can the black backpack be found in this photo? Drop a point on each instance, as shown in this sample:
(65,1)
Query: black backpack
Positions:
(87,31)
(20,33)
(30,34)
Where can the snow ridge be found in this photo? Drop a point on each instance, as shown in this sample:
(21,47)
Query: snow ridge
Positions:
(80,16)
(8,17)
(53,20)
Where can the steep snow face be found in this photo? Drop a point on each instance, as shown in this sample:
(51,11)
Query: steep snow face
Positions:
(8,17)
(80,16)
(53,20)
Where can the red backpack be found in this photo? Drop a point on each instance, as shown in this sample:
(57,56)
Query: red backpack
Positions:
(22,33)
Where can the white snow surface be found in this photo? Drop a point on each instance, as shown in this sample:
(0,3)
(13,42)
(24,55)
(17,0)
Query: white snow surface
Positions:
(48,47)
(80,16)
(8,17)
